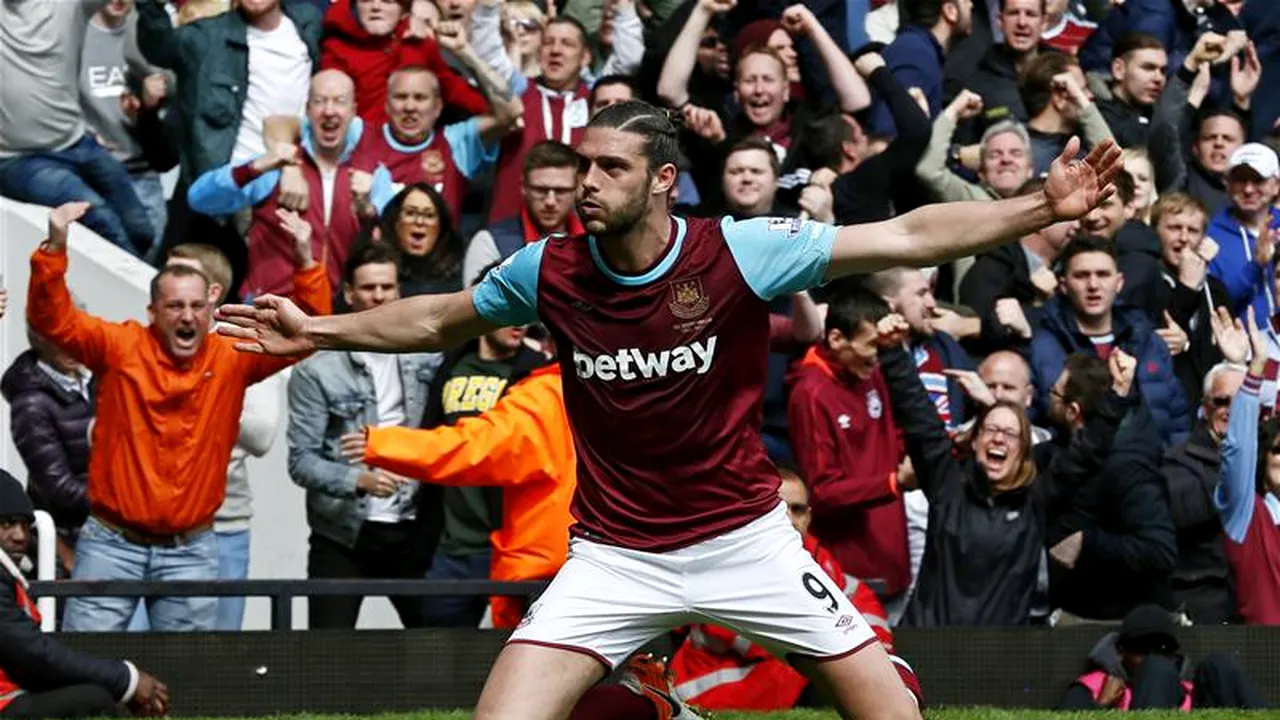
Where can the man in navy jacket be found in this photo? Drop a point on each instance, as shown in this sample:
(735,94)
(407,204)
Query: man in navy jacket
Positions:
(1085,317)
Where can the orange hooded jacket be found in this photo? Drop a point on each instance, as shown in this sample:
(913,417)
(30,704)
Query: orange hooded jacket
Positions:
(521,444)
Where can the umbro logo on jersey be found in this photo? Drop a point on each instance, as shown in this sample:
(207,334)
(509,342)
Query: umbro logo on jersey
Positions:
(633,363)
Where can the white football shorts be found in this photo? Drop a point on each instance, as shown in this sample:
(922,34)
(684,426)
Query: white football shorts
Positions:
(608,601)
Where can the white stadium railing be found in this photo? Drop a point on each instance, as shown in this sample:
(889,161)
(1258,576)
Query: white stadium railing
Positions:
(47,568)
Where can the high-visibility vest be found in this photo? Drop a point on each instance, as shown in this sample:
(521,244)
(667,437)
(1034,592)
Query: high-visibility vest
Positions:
(8,688)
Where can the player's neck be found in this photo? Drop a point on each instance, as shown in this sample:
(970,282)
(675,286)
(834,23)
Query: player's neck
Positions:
(639,248)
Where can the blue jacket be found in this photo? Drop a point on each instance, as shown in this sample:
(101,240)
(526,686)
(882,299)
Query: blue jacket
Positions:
(1247,284)
(915,58)
(1058,336)
(216,194)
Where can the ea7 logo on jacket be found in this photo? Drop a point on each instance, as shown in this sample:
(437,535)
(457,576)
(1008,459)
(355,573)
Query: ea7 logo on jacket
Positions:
(633,363)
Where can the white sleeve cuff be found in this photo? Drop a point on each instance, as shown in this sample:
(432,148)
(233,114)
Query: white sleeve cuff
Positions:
(133,683)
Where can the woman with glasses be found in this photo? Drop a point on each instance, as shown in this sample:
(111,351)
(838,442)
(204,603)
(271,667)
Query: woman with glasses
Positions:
(418,221)
(1248,492)
(988,502)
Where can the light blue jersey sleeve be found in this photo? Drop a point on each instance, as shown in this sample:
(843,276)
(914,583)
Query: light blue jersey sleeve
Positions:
(519,83)
(779,256)
(508,295)
(470,153)
(215,193)
(1235,491)
(383,188)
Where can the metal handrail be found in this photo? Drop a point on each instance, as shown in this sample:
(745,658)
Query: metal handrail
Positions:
(281,592)
(46,567)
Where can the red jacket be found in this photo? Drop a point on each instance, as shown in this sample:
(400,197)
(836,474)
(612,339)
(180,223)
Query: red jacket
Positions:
(848,450)
(370,60)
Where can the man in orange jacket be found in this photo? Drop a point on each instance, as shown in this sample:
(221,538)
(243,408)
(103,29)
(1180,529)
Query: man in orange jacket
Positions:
(169,400)
(521,444)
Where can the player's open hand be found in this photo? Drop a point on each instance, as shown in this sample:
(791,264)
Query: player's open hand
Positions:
(61,219)
(272,325)
(1074,187)
(891,330)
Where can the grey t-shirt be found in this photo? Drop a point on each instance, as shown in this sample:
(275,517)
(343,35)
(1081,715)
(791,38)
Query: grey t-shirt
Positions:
(40,44)
(104,69)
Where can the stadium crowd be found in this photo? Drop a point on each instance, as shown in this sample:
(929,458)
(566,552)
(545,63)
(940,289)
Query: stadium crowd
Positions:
(982,472)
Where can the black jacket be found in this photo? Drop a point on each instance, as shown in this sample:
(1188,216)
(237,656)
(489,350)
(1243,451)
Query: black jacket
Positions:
(996,80)
(1152,287)
(997,274)
(1129,545)
(50,427)
(885,184)
(982,552)
(36,662)
(1191,473)
(1130,126)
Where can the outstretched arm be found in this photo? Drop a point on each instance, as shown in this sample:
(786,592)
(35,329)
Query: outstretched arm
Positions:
(427,323)
(937,233)
(507,296)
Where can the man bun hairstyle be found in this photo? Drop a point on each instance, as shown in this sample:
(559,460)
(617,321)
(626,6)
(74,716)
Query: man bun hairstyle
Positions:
(659,127)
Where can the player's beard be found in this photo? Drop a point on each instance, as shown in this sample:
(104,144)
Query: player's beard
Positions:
(621,221)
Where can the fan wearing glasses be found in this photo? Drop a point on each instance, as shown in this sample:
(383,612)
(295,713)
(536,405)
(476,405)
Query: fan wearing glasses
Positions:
(548,192)
(988,507)
(1200,579)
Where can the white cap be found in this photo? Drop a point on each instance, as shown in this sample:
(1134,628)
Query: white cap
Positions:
(1258,157)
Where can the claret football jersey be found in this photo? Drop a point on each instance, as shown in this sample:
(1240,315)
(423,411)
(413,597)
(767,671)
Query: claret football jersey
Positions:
(664,372)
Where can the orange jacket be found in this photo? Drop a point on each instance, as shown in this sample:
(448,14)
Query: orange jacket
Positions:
(522,444)
(163,434)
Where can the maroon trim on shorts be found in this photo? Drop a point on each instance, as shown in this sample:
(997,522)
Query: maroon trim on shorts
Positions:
(831,658)
(608,666)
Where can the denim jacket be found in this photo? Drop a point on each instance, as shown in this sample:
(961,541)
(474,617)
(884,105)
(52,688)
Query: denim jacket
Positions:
(332,394)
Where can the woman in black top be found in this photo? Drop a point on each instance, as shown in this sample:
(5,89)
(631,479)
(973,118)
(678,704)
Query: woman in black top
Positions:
(988,502)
